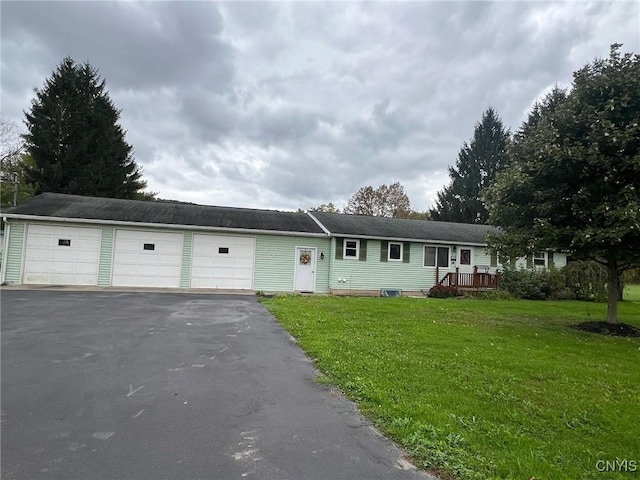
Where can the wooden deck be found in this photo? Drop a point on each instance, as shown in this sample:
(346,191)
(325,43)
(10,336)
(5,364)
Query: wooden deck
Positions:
(475,281)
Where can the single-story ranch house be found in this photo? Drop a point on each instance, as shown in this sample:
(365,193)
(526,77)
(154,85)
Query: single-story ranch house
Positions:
(56,239)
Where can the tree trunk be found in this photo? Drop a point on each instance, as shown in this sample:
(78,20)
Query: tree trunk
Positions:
(620,287)
(613,290)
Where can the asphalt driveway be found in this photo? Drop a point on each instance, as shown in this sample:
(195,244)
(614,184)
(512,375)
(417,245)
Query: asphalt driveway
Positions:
(100,385)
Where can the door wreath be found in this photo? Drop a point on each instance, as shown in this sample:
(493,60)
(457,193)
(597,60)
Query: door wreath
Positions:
(305,257)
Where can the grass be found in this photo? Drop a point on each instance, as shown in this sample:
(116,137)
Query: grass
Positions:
(632,293)
(481,389)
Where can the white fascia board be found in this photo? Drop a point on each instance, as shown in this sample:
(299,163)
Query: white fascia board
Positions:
(171,226)
(319,223)
(414,240)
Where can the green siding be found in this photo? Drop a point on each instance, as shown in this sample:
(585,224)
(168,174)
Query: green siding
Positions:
(106,256)
(559,259)
(187,252)
(13,255)
(332,263)
(482,257)
(375,274)
(275,260)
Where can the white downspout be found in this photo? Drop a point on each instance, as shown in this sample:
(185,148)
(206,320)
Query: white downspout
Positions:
(5,251)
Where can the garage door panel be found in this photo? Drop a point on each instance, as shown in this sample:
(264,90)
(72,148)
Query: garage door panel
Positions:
(38,255)
(48,262)
(87,269)
(42,241)
(231,270)
(62,267)
(68,255)
(135,266)
(175,260)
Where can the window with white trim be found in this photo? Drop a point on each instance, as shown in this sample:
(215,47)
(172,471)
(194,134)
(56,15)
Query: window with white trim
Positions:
(351,249)
(395,252)
(540,259)
(436,256)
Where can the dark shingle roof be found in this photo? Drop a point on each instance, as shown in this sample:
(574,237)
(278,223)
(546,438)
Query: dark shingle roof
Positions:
(97,208)
(380,227)
(172,213)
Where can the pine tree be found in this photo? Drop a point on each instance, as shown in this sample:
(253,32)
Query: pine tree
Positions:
(476,168)
(75,140)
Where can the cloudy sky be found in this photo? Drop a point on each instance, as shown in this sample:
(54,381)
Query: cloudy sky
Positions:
(286,105)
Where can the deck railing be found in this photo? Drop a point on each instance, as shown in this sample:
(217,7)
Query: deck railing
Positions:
(474,280)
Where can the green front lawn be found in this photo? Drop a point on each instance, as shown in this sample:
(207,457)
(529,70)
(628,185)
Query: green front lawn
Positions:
(632,293)
(478,388)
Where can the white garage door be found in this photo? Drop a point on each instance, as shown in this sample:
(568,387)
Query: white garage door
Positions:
(56,255)
(147,259)
(222,261)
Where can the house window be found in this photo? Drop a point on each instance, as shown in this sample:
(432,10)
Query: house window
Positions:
(436,256)
(465,256)
(540,260)
(395,252)
(64,242)
(351,249)
(223,250)
(149,246)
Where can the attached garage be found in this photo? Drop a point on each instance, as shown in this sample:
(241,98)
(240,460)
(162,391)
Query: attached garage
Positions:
(222,261)
(147,258)
(55,238)
(61,255)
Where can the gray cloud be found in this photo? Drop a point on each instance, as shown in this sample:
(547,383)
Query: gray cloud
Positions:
(286,105)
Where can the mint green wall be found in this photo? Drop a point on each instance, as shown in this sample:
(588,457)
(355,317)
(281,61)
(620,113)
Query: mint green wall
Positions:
(275,260)
(13,255)
(373,274)
(106,256)
(559,260)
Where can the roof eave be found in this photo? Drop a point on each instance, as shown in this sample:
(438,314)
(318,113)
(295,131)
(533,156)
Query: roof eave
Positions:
(172,226)
(406,239)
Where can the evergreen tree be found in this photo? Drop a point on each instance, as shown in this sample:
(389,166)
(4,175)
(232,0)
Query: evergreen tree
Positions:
(476,168)
(74,138)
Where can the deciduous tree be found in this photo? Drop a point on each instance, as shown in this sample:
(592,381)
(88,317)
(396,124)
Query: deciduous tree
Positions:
(13,186)
(325,207)
(574,183)
(384,201)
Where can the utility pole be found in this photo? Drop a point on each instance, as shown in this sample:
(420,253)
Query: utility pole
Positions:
(15,188)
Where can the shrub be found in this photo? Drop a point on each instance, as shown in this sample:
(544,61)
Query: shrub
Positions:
(556,281)
(526,284)
(499,294)
(441,291)
(632,276)
(587,280)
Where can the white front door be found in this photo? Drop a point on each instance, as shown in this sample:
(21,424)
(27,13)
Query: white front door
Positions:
(465,259)
(305,272)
